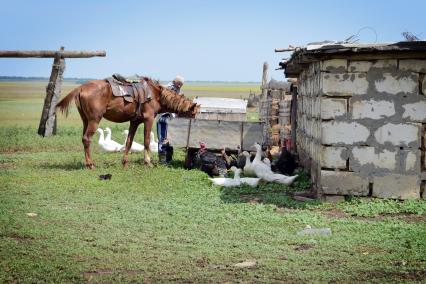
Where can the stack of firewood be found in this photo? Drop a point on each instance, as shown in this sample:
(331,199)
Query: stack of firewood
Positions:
(275,135)
(274,115)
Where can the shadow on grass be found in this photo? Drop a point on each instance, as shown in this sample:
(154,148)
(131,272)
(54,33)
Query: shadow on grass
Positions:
(269,193)
(68,166)
(177,164)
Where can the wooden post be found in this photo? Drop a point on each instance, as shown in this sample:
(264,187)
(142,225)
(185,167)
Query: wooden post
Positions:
(47,126)
(264,108)
(293,119)
(264,80)
(188,157)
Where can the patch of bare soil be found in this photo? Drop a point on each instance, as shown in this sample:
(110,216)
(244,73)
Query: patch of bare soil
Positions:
(304,247)
(202,262)
(370,249)
(377,276)
(256,198)
(284,210)
(17,237)
(7,165)
(89,275)
(335,213)
(253,199)
(408,218)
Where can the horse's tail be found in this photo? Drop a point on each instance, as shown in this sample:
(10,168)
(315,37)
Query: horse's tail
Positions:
(64,104)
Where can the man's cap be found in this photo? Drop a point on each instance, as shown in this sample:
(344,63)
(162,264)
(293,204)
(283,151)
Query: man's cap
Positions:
(179,79)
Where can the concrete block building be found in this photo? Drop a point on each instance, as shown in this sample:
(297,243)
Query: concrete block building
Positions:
(361,118)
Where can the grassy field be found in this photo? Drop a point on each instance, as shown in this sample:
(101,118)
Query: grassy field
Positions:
(218,89)
(168,224)
(21,102)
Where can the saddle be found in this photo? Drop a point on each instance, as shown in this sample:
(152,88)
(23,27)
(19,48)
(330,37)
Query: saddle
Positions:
(138,92)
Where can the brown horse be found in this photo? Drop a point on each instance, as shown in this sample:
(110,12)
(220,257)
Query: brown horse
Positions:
(95,100)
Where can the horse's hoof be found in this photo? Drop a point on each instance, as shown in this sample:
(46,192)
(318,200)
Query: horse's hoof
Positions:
(90,166)
(149,164)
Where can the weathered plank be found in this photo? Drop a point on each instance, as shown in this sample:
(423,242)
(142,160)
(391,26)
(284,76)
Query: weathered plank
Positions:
(293,120)
(51,53)
(284,49)
(216,134)
(252,132)
(264,80)
(177,132)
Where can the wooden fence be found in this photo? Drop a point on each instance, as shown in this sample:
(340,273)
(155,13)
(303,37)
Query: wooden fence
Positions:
(47,125)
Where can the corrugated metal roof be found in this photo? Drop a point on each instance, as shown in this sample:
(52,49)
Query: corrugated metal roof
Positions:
(221,105)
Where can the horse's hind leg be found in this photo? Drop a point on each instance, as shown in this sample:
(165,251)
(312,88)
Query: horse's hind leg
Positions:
(132,132)
(147,137)
(89,129)
(84,139)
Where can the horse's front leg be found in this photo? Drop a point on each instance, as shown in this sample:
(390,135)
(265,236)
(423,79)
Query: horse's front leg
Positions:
(88,131)
(132,131)
(147,140)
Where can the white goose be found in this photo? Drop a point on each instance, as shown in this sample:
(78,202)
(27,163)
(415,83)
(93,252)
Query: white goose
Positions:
(153,144)
(264,171)
(259,167)
(283,179)
(228,182)
(248,167)
(111,142)
(267,162)
(253,182)
(105,146)
(136,147)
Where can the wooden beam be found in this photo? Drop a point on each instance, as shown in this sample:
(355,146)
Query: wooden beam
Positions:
(293,120)
(50,53)
(376,56)
(284,49)
(264,80)
(292,80)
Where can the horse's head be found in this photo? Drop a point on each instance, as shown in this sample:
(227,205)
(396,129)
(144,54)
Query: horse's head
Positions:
(171,101)
(196,109)
(191,112)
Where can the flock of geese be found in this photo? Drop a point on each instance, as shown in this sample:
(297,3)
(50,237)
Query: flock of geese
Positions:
(261,169)
(108,145)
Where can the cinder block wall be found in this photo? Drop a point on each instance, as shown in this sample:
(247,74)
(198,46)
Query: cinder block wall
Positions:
(361,127)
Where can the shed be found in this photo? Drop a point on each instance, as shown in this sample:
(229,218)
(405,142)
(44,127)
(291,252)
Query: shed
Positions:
(221,109)
(361,117)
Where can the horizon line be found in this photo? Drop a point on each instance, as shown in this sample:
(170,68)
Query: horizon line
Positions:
(88,79)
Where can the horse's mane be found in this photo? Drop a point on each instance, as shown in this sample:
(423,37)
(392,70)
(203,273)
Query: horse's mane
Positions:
(153,82)
(171,100)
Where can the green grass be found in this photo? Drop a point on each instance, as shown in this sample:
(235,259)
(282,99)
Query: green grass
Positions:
(168,224)
(377,207)
(221,87)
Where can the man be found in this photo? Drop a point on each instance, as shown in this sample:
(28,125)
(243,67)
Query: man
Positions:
(175,86)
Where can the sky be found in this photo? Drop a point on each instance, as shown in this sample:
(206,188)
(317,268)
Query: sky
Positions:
(200,40)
